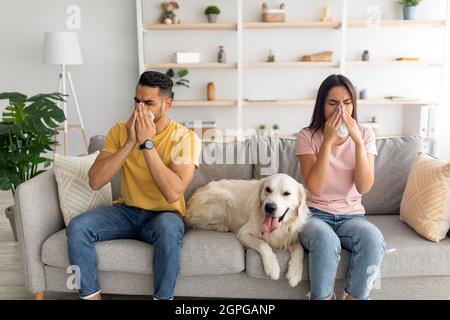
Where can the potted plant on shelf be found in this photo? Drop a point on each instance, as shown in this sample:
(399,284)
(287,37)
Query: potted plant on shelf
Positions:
(178,78)
(409,8)
(262,130)
(27,131)
(275,130)
(212,12)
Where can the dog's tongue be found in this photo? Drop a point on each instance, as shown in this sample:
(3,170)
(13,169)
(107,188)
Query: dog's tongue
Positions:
(269,224)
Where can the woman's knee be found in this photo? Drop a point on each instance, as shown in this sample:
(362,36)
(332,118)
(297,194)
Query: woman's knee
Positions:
(319,236)
(368,236)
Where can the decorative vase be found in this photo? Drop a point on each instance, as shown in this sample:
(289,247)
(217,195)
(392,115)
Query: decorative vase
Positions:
(211,92)
(365,56)
(276,133)
(263,132)
(212,18)
(9,211)
(221,55)
(409,13)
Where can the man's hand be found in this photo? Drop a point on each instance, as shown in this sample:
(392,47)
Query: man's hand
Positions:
(331,127)
(145,128)
(352,127)
(131,130)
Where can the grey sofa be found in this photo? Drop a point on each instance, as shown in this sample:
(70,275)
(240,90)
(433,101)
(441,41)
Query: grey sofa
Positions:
(215,264)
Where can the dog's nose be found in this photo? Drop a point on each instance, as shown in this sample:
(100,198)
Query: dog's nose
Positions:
(270,207)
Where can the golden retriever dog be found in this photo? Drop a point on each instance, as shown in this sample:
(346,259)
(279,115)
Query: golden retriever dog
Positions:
(264,214)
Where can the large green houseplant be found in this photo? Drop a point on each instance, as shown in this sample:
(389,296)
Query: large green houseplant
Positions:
(27,130)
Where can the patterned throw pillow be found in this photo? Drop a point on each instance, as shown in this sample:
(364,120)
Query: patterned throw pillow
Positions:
(425,205)
(75,194)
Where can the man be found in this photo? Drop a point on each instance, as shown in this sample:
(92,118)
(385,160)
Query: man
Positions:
(158,158)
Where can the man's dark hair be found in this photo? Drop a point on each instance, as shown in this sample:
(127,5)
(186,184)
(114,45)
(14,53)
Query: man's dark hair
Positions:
(157,80)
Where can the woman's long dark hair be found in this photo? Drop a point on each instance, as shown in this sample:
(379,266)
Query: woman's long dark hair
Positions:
(335,80)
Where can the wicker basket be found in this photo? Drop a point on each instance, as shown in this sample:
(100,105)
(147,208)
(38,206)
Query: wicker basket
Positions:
(274,16)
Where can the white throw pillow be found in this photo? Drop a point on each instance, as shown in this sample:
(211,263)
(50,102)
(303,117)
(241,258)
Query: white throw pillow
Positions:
(75,194)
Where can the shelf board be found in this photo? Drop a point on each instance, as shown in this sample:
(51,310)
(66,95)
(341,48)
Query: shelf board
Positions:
(386,102)
(392,63)
(293,25)
(361,102)
(190,26)
(211,65)
(201,103)
(397,24)
(290,64)
(253,103)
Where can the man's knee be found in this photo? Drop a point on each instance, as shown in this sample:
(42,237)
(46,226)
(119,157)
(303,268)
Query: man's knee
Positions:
(169,226)
(370,237)
(318,236)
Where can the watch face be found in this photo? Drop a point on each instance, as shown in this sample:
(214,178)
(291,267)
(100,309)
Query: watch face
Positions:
(148,144)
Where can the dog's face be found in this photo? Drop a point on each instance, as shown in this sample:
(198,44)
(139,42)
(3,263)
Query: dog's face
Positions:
(280,199)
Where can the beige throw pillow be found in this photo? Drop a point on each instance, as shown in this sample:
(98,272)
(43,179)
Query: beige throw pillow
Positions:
(425,205)
(75,194)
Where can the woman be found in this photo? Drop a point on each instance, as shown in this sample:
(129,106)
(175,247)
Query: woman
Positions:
(337,170)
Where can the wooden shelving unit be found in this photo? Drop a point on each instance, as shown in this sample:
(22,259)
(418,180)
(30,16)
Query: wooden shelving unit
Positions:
(361,102)
(397,24)
(211,65)
(292,25)
(204,103)
(342,25)
(290,64)
(394,63)
(190,26)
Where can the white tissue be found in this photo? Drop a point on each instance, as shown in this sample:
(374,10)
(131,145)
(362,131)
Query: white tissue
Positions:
(343,131)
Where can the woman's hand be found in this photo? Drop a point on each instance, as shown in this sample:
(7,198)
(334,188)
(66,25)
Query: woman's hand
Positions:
(352,127)
(145,128)
(331,127)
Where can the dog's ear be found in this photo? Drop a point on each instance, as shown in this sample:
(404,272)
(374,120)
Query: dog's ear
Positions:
(302,210)
(255,198)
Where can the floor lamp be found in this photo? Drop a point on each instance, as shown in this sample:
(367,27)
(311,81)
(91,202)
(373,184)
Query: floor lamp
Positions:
(62,48)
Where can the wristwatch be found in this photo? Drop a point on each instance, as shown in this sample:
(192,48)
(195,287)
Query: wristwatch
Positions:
(148,144)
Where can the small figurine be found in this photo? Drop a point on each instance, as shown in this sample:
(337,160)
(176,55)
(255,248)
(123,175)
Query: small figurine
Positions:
(326,17)
(221,55)
(168,16)
(365,56)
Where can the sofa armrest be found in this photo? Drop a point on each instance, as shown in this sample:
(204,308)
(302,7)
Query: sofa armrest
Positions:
(38,216)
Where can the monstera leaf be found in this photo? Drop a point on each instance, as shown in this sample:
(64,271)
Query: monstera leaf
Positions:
(27,132)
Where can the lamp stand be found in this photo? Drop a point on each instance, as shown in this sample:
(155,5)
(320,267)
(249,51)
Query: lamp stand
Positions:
(63,76)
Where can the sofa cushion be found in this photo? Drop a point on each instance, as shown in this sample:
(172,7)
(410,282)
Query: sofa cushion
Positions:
(203,253)
(220,160)
(393,164)
(275,155)
(96,144)
(408,254)
(395,159)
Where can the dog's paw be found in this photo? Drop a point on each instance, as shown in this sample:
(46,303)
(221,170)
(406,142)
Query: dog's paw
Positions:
(294,276)
(272,268)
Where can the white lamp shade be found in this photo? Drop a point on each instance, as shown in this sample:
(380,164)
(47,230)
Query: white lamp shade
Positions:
(62,47)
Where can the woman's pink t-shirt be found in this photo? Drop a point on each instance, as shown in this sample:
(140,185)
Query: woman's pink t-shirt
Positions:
(340,195)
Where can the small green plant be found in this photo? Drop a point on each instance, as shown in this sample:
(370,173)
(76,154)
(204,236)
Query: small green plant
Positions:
(271,57)
(27,131)
(262,127)
(212,10)
(275,127)
(409,3)
(180,75)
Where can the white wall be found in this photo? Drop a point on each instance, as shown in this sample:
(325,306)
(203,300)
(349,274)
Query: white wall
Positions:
(105,83)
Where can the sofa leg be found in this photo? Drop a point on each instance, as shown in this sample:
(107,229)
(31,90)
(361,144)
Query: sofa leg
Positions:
(39,295)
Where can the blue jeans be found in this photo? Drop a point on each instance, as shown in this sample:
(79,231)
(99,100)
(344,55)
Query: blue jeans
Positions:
(164,230)
(323,237)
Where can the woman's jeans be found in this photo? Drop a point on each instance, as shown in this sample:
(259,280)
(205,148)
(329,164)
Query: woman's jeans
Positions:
(164,230)
(323,237)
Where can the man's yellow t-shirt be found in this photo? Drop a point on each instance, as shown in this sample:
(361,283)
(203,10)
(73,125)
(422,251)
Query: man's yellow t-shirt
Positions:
(175,144)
